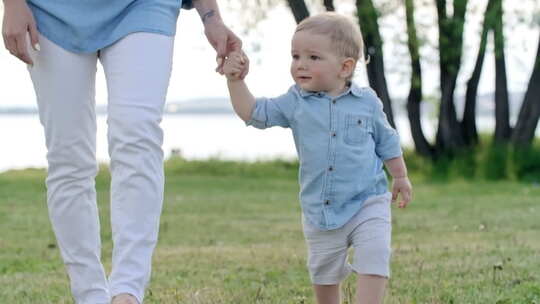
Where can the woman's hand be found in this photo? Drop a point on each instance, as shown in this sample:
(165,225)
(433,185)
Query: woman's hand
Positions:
(224,41)
(18,21)
(234,66)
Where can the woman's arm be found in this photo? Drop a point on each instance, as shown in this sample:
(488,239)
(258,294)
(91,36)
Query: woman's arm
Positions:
(18,20)
(222,39)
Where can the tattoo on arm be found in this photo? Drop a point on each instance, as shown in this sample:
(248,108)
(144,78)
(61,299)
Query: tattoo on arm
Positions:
(207,15)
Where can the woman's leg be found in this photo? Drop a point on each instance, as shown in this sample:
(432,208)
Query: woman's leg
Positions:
(64,84)
(137,69)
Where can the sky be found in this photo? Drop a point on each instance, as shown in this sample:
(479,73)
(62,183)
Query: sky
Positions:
(268,46)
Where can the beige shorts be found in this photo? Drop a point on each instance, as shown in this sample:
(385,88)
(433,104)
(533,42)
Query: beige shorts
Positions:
(368,232)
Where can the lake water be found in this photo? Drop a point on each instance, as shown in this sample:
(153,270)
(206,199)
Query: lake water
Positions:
(197,136)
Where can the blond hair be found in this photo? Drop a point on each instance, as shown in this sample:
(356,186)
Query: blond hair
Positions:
(342,31)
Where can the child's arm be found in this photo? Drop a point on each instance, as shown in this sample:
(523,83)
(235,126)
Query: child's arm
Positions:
(400,184)
(241,98)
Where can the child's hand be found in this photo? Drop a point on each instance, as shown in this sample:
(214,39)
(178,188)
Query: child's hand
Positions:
(402,185)
(235,66)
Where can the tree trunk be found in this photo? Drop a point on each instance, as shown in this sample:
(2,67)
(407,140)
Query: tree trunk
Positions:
(502,110)
(468,124)
(367,16)
(415,93)
(523,134)
(329,5)
(299,9)
(449,135)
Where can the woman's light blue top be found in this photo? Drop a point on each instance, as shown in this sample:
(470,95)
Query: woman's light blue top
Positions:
(341,142)
(85,26)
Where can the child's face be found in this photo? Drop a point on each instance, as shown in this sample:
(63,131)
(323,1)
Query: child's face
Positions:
(315,65)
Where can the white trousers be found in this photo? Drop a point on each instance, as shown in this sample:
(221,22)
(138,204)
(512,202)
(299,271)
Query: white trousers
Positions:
(137,70)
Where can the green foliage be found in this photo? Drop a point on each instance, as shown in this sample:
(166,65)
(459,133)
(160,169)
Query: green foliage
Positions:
(526,163)
(277,168)
(487,161)
(495,164)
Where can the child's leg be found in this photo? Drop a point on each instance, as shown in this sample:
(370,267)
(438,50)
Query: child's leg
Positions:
(327,261)
(371,242)
(327,294)
(370,289)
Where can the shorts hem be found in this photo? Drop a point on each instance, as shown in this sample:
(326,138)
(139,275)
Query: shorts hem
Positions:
(330,280)
(370,271)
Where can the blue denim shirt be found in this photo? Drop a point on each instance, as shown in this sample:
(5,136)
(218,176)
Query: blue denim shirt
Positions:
(341,144)
(87,26)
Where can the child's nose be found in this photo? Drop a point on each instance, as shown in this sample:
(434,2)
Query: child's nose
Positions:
(302,65)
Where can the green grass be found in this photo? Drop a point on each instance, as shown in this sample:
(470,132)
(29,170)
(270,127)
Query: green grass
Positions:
(231,233)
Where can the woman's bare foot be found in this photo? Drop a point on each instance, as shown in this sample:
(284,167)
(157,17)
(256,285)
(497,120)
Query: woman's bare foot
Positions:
(124,298)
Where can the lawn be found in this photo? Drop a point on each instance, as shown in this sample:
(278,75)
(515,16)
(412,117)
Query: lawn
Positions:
(231,233)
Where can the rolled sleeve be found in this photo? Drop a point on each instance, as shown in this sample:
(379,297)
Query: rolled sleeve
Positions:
(387,143)
(270,112)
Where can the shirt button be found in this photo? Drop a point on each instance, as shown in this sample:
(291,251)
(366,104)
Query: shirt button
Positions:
(334,101)
(327,202)
(359,122)
(330,168)
(334,134)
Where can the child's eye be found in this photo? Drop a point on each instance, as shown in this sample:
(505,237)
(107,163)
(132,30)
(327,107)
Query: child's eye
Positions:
(314,57)
(295,57)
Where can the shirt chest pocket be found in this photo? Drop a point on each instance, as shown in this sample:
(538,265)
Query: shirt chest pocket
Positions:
(357,129)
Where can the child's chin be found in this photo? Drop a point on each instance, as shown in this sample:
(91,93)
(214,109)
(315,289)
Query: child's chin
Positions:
(306,87)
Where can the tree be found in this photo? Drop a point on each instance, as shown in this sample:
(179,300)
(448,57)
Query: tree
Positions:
(299,9)
(367,18)
(529,114)
(329,5)
(414,99)
(468,124)
(449,135)
(493,22)
(502,108)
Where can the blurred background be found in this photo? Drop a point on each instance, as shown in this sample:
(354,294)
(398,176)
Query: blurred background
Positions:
(460,80)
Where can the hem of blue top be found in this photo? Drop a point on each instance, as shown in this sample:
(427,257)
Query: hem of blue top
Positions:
(73,48)
(358,207)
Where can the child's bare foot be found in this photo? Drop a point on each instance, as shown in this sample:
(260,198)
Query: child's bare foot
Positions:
(124,298)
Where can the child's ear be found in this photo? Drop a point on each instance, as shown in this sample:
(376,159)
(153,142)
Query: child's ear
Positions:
(347,67)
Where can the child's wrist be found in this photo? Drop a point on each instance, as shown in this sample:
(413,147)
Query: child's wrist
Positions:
(233,79)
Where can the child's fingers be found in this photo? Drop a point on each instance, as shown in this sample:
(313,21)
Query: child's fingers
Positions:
(395,192)
(246,66)
(237,65)
(235,71)
(405,198)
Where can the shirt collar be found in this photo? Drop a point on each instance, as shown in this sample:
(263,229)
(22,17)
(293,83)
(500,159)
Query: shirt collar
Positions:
(353,89)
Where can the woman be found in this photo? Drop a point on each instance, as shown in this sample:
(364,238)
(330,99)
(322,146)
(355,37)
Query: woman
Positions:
(133,40)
